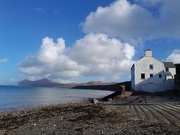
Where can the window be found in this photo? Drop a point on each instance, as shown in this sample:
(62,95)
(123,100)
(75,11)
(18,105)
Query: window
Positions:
(142,76)
(167,69)
(151,75)
(160,75)
(151,67)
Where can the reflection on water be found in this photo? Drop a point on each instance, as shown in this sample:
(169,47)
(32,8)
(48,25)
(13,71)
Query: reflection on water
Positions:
(13,97)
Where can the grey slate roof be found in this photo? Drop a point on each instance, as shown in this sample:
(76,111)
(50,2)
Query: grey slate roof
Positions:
(169,65)
(168,74)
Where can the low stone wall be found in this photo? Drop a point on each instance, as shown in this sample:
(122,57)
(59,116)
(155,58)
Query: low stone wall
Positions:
(152,87)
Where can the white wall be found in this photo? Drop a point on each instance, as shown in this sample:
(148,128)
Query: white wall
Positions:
(163,86)
(172,71)
(142,66)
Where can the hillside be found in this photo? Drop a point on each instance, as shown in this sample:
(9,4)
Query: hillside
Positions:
(39,83)
(113,87)
(96,85)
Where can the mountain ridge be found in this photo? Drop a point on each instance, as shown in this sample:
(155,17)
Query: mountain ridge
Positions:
(88,85)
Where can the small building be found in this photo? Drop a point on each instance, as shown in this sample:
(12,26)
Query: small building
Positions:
(169,70)
(151,75)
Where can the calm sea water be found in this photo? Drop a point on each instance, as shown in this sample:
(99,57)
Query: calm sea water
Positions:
(14,97)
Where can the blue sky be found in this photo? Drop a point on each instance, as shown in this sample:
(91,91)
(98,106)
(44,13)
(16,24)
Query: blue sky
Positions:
(83,40)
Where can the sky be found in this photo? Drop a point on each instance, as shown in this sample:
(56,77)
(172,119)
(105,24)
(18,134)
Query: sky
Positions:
(84,40)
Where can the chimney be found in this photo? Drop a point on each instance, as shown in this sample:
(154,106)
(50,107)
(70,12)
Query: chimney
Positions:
(148,53)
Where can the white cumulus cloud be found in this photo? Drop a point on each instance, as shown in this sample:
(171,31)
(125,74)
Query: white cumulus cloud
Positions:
(51,61)
(142,20)
(102,55)
(174,56)
(94,55)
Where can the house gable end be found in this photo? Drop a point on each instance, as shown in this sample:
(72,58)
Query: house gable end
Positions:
(148,60)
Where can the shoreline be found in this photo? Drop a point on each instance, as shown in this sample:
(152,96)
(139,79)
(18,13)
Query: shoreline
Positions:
(119,116)
(29,108)
(15,98)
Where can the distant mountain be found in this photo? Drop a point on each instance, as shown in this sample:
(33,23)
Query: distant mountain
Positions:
(97,85)
(92,83)
(48,83)
(39,83)
(106,86)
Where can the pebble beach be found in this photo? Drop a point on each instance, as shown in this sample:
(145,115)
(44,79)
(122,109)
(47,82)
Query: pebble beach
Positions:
(117,117)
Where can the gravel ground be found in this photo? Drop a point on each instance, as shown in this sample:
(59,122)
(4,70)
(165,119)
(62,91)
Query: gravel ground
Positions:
(117,117)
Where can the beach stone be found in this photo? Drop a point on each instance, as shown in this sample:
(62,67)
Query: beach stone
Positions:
(94,101)
(2,132)
(33,124)
(109,99)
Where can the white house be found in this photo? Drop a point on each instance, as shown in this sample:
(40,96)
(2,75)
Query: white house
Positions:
(151,75)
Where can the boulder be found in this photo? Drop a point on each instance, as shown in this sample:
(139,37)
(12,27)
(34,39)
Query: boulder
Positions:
(94,101)
(109,99)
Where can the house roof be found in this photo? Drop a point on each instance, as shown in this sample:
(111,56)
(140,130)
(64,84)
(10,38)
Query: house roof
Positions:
(168,74)
(169,65)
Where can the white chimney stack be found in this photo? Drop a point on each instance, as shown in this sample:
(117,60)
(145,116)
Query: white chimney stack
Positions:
(148,53)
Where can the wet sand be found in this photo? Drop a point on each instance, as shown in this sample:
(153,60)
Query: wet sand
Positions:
(134,115)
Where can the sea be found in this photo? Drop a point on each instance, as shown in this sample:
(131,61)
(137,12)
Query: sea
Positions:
(18,97)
